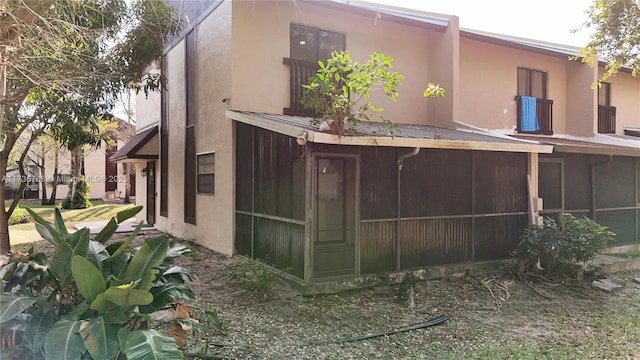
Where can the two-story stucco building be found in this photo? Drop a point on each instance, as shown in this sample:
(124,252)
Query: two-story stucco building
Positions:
(233,161)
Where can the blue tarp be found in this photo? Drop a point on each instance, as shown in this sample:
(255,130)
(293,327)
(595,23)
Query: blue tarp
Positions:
(529,116)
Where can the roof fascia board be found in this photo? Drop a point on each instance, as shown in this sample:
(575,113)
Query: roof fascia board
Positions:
(510,44)
(587,150)
(371,14)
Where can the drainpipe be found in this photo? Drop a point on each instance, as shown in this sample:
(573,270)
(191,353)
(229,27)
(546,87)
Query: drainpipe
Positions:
(400,160)
(593,184)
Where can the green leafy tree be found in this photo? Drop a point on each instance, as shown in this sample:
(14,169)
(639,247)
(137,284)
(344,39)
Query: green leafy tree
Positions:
(615,37)
(64,62)
(339,92)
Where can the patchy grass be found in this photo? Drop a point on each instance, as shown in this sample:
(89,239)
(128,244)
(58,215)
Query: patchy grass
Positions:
(22,233)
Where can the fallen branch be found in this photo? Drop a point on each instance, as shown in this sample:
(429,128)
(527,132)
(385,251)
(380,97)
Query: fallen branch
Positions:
(537,291)
(435,321)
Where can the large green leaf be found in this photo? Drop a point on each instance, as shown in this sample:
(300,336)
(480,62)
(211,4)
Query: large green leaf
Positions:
(102,305)
(123,245)
(35,334)
(166,294)
(44,228)
(146,280)
(126,295)
(59,223)
(75,244)
(88,278)
(148,345)
(46,234)
(13,306)
(64,342)
(80,237)
(127,213)
(100,338)
(179,274)
(107,231)
(151,254)
(98,255)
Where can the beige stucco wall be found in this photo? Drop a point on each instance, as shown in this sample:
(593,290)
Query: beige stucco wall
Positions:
(214,133)
(582,100)
(444,68)
(215,214)
(261,33)
(625,96)
(488,84)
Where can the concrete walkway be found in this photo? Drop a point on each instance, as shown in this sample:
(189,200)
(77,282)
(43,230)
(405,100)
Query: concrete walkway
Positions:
(127,226)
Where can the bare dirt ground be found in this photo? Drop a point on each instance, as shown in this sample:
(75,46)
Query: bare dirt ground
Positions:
(542,319)
(533,320)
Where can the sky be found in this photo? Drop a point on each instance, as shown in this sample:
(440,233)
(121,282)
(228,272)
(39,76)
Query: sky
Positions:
(546,20)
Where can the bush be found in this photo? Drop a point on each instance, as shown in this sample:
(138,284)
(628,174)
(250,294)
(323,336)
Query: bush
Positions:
(561,241)
(79,200)
(90,299)
(19,216)
(254,276)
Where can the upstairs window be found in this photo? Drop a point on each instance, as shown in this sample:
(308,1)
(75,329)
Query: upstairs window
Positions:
(604,94)
(532,83)
(606,112)
(312,44)
(535,111)
(307,46)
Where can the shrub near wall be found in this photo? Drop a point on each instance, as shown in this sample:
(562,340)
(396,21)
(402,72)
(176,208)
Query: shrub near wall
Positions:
(560,242)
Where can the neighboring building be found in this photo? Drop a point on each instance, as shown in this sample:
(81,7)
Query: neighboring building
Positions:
(232,161)
(107,179)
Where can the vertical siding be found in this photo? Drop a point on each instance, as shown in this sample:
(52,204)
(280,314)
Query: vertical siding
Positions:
(500,182)
(280,244)
(243,234)
(496,236)
(377,250)
(426,242)
(378,183)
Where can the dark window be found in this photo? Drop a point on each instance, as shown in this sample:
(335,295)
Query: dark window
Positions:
(190,138)
(532,83)
(312,44)
(604,94)
(307,46)
(164,144)
(206,173)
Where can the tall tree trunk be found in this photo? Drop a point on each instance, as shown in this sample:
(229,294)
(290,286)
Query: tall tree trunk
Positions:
(76,166)
(127,185)
(43,175)
(5,245)
(54,182)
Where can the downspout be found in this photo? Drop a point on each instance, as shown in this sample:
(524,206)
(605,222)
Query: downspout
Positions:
(399,162)
(593,185)
(401,158)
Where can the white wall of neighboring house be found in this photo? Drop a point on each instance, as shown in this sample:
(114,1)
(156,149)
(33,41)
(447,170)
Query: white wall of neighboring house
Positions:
(95,174)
